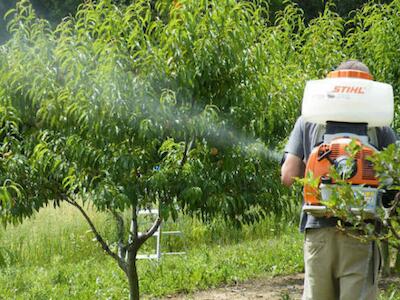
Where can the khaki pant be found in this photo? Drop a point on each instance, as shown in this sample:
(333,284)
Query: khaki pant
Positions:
(339,267)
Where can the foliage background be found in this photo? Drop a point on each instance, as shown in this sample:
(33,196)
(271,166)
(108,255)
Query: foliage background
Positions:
(55,10)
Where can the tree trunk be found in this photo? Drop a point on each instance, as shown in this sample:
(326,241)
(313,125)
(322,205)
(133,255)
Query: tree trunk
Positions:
(133,279)
(385,258)
(135,241)
(397,263)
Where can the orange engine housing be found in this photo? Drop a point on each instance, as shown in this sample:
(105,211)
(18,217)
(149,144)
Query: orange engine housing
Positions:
(325,155)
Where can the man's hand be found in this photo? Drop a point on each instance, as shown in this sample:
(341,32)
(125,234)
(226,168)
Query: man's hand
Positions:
(293,166)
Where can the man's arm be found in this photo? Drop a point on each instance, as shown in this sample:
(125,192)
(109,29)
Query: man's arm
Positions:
(293,166)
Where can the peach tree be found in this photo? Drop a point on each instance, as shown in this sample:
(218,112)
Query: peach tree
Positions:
(129,108)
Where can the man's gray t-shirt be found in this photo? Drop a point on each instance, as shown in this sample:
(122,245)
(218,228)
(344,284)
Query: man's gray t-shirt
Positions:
(303,138)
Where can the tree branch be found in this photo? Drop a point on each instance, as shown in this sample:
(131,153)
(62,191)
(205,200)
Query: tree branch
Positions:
(99,238)
(136,244)
(391,213)
(120,232)
(392,230)
(152,229)
(133,233)
(188,147)
(392,209)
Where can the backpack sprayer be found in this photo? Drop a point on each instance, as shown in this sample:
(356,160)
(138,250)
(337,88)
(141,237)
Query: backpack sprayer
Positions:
(348,103)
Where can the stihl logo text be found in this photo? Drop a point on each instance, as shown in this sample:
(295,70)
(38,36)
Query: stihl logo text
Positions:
(348,89)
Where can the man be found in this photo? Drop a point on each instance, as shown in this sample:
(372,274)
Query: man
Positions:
(337,266)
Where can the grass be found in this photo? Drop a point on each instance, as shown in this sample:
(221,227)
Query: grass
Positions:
(99,278)
(53,256)
(51,233)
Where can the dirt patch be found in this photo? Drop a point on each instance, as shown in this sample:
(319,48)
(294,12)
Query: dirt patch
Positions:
(275,288)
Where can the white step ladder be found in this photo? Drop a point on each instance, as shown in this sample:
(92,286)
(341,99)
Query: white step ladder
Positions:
(158,253)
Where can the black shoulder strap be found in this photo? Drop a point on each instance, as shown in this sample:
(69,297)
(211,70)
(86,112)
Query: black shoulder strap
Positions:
(374,137)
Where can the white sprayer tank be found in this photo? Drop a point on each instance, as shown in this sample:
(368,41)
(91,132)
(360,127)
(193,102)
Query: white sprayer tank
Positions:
(348,99)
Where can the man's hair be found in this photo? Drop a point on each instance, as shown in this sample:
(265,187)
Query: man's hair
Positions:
(353,64)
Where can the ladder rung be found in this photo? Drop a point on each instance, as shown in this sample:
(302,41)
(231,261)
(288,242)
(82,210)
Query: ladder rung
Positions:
(165,232)
(154,234)
(146,256)
(153,211)
(173,253)
(157,234)
(172,232)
